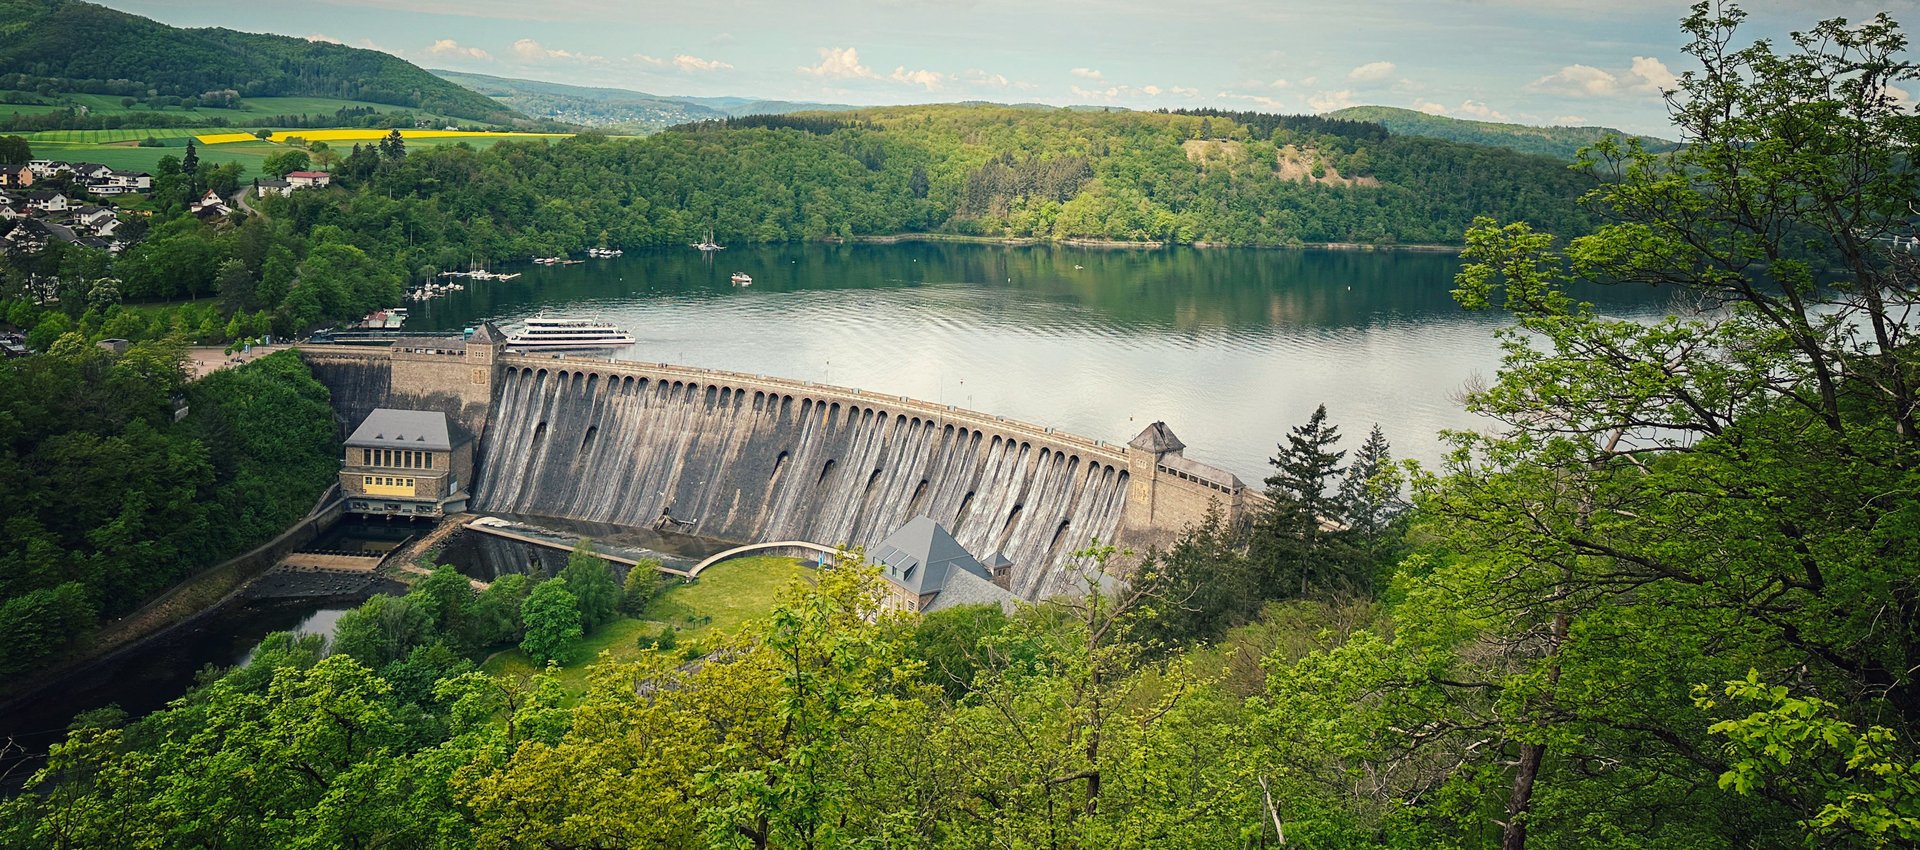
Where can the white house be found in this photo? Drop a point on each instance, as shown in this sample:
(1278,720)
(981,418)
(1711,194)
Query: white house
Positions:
(209,204)
(273,187)
(52,202)
(308,179)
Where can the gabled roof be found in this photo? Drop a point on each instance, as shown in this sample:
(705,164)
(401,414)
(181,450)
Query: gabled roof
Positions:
(388,428)
(922,557)
(310,175)
(1157,439)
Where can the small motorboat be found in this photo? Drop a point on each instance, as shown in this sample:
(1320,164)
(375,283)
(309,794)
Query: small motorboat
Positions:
(741,279)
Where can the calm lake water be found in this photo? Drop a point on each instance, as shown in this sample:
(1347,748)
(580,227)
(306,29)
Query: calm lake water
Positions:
(1230,347)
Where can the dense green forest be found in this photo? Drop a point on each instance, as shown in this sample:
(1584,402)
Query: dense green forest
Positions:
(1557,142)
(109,500)
(69,45)
(1672,601)
(396,215)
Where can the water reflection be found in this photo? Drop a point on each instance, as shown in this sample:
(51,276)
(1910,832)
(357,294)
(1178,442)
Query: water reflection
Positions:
(1230,347)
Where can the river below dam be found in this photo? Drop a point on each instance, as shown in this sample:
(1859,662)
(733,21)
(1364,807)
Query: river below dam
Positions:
(1231,347)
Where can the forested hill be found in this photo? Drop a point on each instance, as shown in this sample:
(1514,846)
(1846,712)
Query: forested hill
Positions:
(1558,142)
(617,110)
(1212,177)
(96,49)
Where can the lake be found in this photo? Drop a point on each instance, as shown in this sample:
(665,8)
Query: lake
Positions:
(1231,347)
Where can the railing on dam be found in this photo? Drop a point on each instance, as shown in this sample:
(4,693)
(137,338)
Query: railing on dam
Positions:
(1112,453)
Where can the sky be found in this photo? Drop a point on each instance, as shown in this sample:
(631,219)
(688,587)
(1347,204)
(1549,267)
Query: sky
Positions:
(1521,61)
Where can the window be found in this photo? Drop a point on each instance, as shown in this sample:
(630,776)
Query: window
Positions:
(369,481)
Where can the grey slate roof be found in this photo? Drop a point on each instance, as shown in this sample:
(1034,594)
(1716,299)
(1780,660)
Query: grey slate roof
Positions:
(920,555)
(965,588)
(386,428)
(488,335)
(1157,439)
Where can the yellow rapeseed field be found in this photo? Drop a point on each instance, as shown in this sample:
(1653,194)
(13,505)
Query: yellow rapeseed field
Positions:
(223,138)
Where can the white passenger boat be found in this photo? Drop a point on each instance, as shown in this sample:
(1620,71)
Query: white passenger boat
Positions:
(544,333)
(741,279)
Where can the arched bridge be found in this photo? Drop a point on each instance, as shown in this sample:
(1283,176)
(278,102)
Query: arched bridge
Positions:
(737,551)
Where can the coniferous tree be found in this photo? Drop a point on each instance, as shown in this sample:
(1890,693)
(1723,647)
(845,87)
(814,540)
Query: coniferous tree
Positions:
(1370,491)
(1295,547)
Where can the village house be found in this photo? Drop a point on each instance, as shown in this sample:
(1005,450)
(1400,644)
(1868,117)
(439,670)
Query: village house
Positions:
(270,186)
(47,202)
(209,204)
(91,217)
(16,176)
(28,236)
(44,168)
(308,179)
(406,463)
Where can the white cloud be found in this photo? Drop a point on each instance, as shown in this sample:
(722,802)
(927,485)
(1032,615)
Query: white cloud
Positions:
(1653,73)
(1645,76)
(1118,91)
(838,63)
(930,79)
(1256,99)
(1570,120)
(449,47)
(1279,84)
(1085,73)
(978,77)
(1429,107)
(1328,101)
(325,38)
(1371,71)
(1480,110)
(532,51)
(644,59)
(686,62)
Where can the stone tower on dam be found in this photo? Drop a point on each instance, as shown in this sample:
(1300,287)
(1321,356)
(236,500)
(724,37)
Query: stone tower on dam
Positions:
(752,459)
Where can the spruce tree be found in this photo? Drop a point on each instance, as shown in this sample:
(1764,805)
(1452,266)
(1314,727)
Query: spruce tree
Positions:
(1370,492)
(1294,549)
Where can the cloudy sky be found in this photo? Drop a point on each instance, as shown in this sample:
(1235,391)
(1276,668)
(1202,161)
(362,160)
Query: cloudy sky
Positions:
(1528,61)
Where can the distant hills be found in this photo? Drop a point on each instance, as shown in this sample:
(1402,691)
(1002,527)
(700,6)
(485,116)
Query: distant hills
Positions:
(88,48)
(1557,142)
(619,109)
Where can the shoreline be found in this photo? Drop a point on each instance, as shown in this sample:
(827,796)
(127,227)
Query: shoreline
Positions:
(1028,241)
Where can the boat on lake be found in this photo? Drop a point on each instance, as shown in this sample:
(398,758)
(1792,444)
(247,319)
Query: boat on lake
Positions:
(741,279)
(709,245)
(604,253)
(544,333)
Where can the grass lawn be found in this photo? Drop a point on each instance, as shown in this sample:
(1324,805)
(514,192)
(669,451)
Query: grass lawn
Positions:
(729,593)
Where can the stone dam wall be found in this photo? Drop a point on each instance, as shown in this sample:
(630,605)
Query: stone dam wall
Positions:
(753,459)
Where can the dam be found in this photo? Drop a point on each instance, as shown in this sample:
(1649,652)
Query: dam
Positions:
(753,459)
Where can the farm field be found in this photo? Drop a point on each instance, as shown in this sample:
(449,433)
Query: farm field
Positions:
(132,158)
(102,137)
(372,135)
